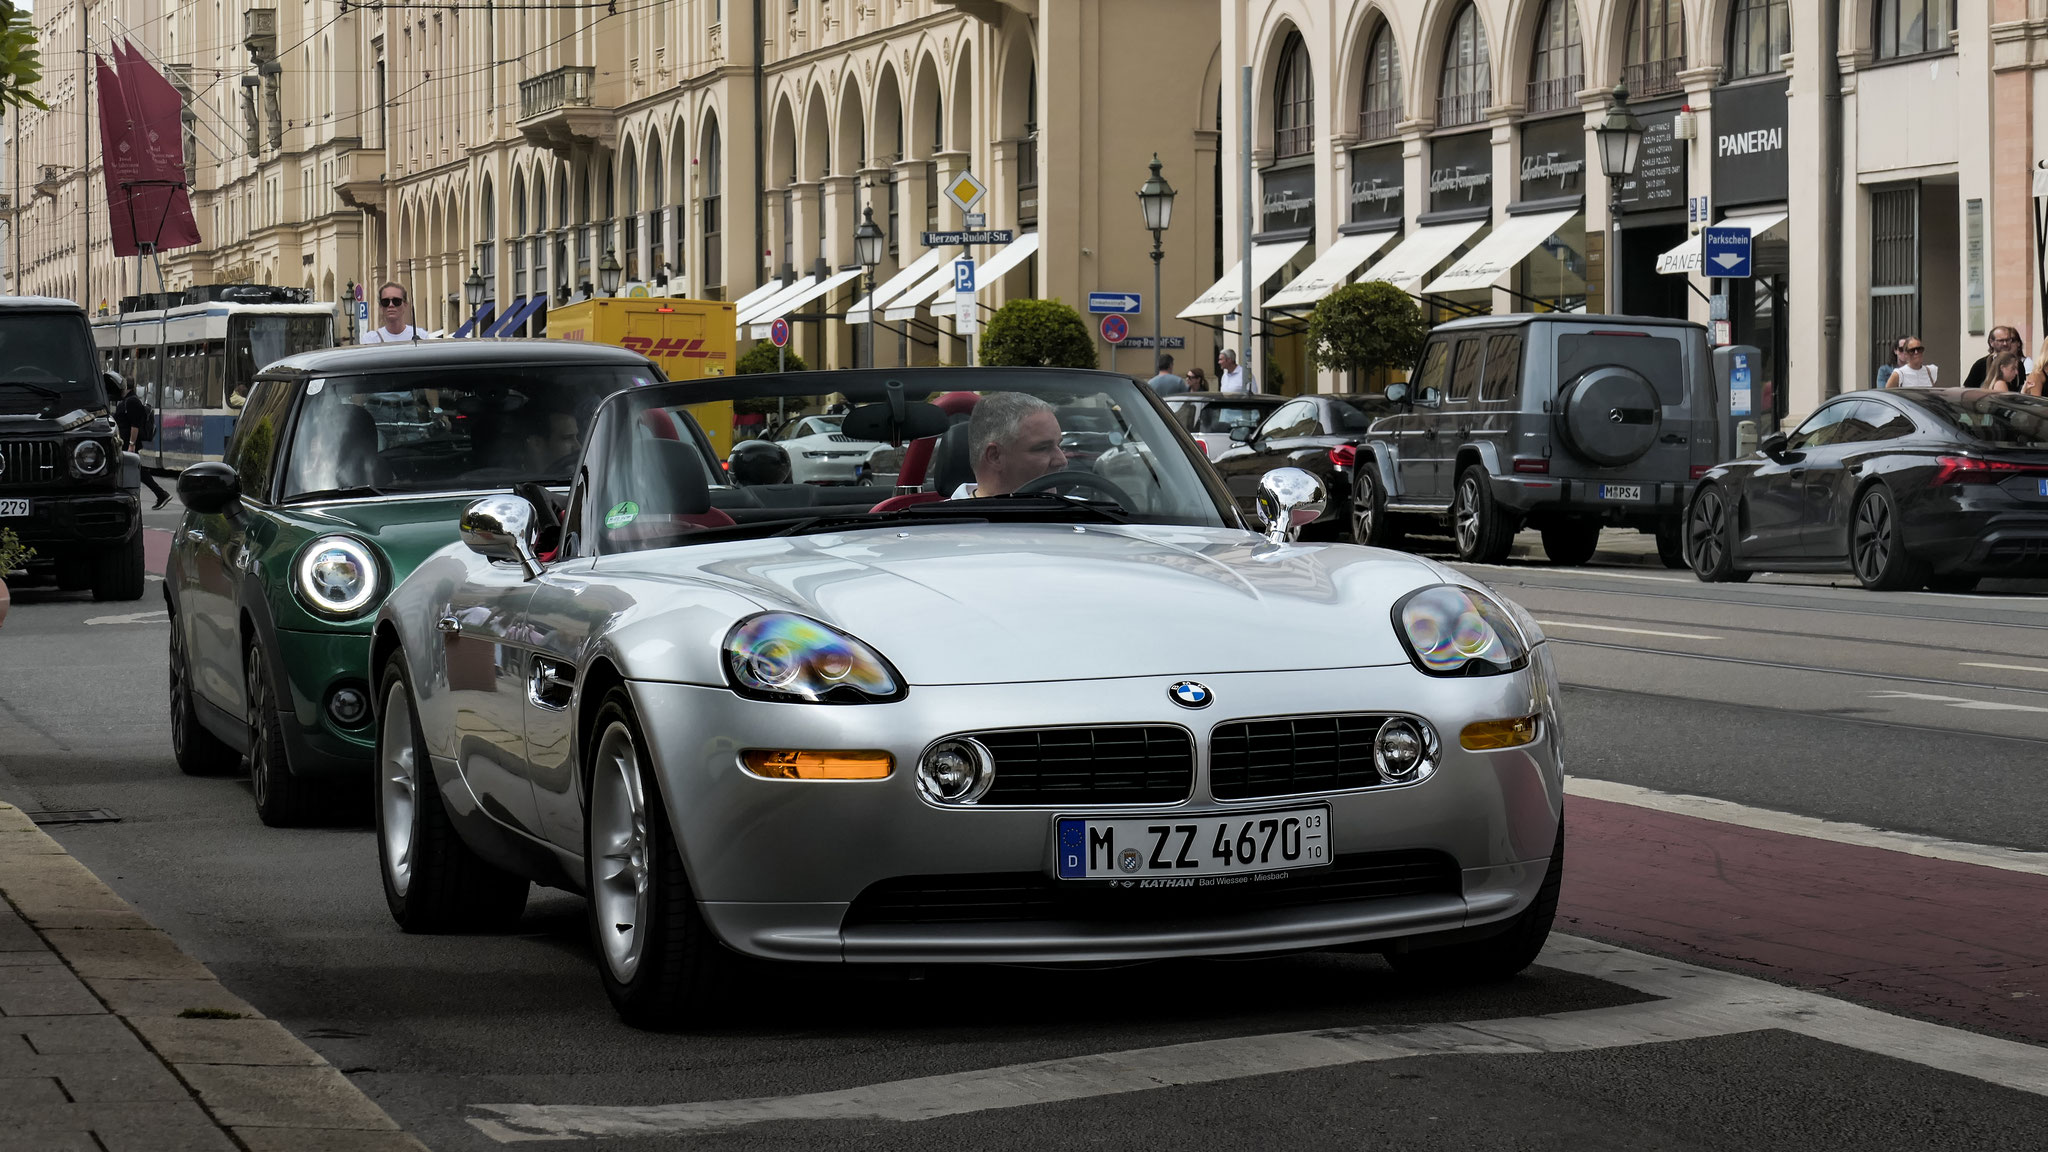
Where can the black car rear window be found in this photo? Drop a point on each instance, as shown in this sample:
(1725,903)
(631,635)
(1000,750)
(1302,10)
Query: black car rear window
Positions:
(1222,417)
(1996,419)
(1658,359)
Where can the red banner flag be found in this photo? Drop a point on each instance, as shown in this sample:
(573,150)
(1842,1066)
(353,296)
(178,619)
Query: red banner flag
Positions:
(120,163)
(146,163)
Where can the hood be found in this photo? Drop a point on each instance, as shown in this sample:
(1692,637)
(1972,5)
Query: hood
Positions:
(406,529)
(1007,603)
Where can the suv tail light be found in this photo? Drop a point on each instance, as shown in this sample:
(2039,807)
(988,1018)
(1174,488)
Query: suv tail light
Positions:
(1699,470)
(1970,470)
(1538,464)
(1344,455)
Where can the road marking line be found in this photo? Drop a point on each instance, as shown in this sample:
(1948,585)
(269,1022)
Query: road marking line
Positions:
(2005,667)
(1694,1003)
(1813,827)
(1630,631)
(157,617)
(1959,702)
(1531,569)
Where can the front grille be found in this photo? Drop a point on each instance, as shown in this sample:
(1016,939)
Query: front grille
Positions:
(1033,897)
(30,462)
(1130,764)
(1292,755)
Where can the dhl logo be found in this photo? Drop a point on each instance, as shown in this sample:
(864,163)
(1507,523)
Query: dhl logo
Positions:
(670,348)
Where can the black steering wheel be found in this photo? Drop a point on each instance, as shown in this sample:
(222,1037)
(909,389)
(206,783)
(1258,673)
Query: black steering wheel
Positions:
(1077,479)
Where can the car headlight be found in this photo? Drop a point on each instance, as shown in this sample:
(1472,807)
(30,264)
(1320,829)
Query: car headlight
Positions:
(791,658)
(337,576)
(1456,631)
(88,458)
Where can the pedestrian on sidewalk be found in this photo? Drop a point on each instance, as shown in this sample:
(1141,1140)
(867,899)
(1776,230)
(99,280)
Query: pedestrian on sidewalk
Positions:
(2003,338)
(1915,372)
(137,426)
(2037,376)
(396,329)
(1232,378)
(2007,373)
(1196,381)
(1166,383)
(1891,364)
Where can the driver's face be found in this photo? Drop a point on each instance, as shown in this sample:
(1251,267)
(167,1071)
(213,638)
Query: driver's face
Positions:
(1008,465)
(561,441)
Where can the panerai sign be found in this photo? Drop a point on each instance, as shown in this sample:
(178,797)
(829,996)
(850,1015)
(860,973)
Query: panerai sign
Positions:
(1749,144)
(1752,141)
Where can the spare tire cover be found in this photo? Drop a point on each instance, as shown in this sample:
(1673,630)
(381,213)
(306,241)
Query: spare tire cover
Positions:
(1611,416)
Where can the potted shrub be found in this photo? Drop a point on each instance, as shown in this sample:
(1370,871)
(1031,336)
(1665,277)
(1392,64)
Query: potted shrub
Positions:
(1365,329)
(1036,334)
(13,554)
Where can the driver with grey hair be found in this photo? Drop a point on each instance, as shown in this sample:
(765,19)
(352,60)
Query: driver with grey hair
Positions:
(1012,439)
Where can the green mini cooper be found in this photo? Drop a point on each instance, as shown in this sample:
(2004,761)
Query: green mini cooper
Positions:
(346,469)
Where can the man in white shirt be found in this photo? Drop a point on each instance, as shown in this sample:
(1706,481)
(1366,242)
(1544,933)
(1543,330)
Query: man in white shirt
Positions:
(1012,440)
(391,306)
(1232,378)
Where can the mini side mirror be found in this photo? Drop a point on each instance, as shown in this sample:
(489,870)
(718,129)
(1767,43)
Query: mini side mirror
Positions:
(1773,445)
(501,528)
(210,488)
(1242,433)
(1289,499)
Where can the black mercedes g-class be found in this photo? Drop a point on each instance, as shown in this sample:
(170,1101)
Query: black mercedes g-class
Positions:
(67,489)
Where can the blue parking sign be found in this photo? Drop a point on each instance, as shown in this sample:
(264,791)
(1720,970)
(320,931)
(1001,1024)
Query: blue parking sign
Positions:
(963,274)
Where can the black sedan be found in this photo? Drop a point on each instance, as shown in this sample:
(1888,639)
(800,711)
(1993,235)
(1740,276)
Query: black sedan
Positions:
(1906,488)
(1318,433)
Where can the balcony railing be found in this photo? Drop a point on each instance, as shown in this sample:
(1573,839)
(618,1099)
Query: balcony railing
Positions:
(1377,123)
(1560,95)
(1652,77)
(1463,108)
(565,87)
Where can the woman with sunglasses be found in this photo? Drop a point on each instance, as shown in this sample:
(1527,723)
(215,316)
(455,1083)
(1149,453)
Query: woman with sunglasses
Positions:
(1914,372)
(391,308)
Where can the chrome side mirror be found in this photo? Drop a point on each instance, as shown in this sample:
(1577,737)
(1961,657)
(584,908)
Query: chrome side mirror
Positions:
(501,528)
(1290,499)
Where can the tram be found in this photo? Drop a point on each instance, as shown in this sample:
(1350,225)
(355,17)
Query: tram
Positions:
(195,354)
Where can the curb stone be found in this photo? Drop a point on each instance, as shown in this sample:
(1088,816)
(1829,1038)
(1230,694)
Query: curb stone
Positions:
(96,1051)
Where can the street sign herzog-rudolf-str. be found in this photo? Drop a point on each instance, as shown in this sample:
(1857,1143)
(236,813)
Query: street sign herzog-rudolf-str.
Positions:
(975,236)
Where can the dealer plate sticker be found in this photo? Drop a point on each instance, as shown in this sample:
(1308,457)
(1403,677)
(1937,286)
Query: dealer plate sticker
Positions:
(1193,848)
(1621,491)
(13,507)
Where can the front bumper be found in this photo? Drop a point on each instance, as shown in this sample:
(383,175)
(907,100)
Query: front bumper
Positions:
(1580,497)
(315,664)
(107,516)
(776,864)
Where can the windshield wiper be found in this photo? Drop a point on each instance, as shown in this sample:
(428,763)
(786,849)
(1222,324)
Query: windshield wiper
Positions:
(1023,507)
(336,493)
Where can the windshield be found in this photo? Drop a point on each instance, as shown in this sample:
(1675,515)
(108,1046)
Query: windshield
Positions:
(261,341)
(1357,413)
(977,444)
(1223,417)
(447,429)
(1998,419)
(42,372)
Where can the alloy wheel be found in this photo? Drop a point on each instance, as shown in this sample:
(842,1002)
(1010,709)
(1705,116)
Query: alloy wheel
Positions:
(397,786)
(181,690)
(1362,509)
(623,873)
(1465,517)
(1872,547)
(259,743)
(1708,531)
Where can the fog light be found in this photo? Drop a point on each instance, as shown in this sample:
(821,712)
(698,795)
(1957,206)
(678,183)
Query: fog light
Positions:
(1405,750)
(348,706)
(1488,735)
(957,771)
(782,764)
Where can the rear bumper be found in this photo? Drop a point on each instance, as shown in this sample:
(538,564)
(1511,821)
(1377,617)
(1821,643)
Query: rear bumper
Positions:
(56,522)
(1573,496)
(2010,545)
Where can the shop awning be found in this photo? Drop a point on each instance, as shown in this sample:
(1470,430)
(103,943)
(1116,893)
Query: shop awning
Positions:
(1503,248)
(1331,269)
(497,325)
(1686,258)
(475,322)
(906,305)
(516,316)
(790,304)
(769,307)
(987,272)
(1221,298)
(740,306)
(912,273)
(1410,261)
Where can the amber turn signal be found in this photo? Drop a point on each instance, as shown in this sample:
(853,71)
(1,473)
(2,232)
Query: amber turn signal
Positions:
(1488,735)
(788,765)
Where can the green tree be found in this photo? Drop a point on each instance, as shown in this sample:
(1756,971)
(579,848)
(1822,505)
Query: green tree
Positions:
(21,65)
(1365,328)
(761,358)
(13,553)
(1036,334)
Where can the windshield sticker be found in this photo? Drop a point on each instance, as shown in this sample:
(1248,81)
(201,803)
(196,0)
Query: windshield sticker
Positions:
(622,514)
(315,387)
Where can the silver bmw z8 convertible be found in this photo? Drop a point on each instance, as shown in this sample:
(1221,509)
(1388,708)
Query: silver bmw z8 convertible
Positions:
(1042,695)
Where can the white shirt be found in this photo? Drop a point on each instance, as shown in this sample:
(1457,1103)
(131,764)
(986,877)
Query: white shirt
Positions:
(1238,379)
(965,491)
(1918,377)
(382,335)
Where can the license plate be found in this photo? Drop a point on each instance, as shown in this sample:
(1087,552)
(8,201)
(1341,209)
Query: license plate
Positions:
(13,507)
(1192,847)
(1621,491)
(2044,486)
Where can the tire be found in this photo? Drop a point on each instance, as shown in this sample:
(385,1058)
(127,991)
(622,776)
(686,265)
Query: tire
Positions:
(1571,543)
(1671,543)
(1953,582)
(1370,524)
(1482,531)
(433,881)
(199,752)
(661,964)
(1710,537)
(72,572)
(1496,957)
(282,799)
(117,571)
(1877,546)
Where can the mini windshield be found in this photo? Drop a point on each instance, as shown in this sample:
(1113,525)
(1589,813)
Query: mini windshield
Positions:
(1998,419)
(968,444)
(46,365)
(447,429)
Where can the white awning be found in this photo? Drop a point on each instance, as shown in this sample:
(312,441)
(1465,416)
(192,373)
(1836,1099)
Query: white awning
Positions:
(1411,260)
(791,303)
(1331,269)
(906,305)
(768,307)
(1502,249)
(1686,257)
(894,286)
(987,272)
(1221,298)
(740,306)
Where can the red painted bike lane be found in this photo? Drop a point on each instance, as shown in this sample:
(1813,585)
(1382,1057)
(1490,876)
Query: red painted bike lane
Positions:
(156,550)
(1959,943)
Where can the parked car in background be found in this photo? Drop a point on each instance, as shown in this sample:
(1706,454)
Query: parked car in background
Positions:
(1560,422)
(1905,487)
(1209,416)
(820,454)
(1319,434)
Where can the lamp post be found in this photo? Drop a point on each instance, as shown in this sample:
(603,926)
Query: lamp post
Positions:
(867,249)
(608,273)
(1621,142)
(473,291)
(1156,198)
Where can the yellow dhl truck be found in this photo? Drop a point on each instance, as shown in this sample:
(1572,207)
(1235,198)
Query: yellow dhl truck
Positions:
(690,339)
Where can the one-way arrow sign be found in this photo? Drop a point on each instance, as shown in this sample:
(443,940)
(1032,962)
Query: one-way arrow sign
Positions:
(1123,303)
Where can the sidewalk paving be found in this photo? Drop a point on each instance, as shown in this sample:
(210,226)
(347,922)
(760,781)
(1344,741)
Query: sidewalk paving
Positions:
(112,1038)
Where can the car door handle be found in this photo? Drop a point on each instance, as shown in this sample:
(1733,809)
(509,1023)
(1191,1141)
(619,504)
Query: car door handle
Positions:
(1798,472)
(552,684)
(449,625)
(195,535)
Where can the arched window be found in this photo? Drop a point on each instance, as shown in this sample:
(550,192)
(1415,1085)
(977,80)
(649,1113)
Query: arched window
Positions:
(1656,47)
(1294,101)
(1912,27)
(1759,34)
(1557,71)
(712,178)
(1381,108)
(1467,85)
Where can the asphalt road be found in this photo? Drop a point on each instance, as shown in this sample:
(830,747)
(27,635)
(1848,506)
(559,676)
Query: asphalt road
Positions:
(1919,714)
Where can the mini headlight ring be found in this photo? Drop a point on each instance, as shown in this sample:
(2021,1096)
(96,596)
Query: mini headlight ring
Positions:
(1452,630)
(337,576)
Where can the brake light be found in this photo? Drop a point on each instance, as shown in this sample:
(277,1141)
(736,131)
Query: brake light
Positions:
(1699,470)
(1344,455)
(1970,470)
(1537,464)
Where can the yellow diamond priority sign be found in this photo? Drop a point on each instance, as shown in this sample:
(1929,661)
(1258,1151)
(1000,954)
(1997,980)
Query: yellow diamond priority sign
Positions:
(966,191)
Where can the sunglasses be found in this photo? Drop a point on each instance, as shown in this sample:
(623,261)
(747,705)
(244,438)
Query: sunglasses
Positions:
(393,301)
(1915,350)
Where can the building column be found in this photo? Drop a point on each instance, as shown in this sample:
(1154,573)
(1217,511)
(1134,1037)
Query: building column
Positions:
(838,196)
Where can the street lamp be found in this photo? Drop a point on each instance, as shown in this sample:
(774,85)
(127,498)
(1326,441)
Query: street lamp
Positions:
(867,248)
(608,273)
(1156,198)
(1620,137)
(473,291)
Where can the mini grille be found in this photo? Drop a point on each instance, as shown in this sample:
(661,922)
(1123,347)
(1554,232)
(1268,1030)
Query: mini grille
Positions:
(1114,765)
(1292,755)
(30,462)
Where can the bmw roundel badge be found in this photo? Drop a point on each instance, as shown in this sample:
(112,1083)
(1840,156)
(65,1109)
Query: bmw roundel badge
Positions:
(1189,694)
